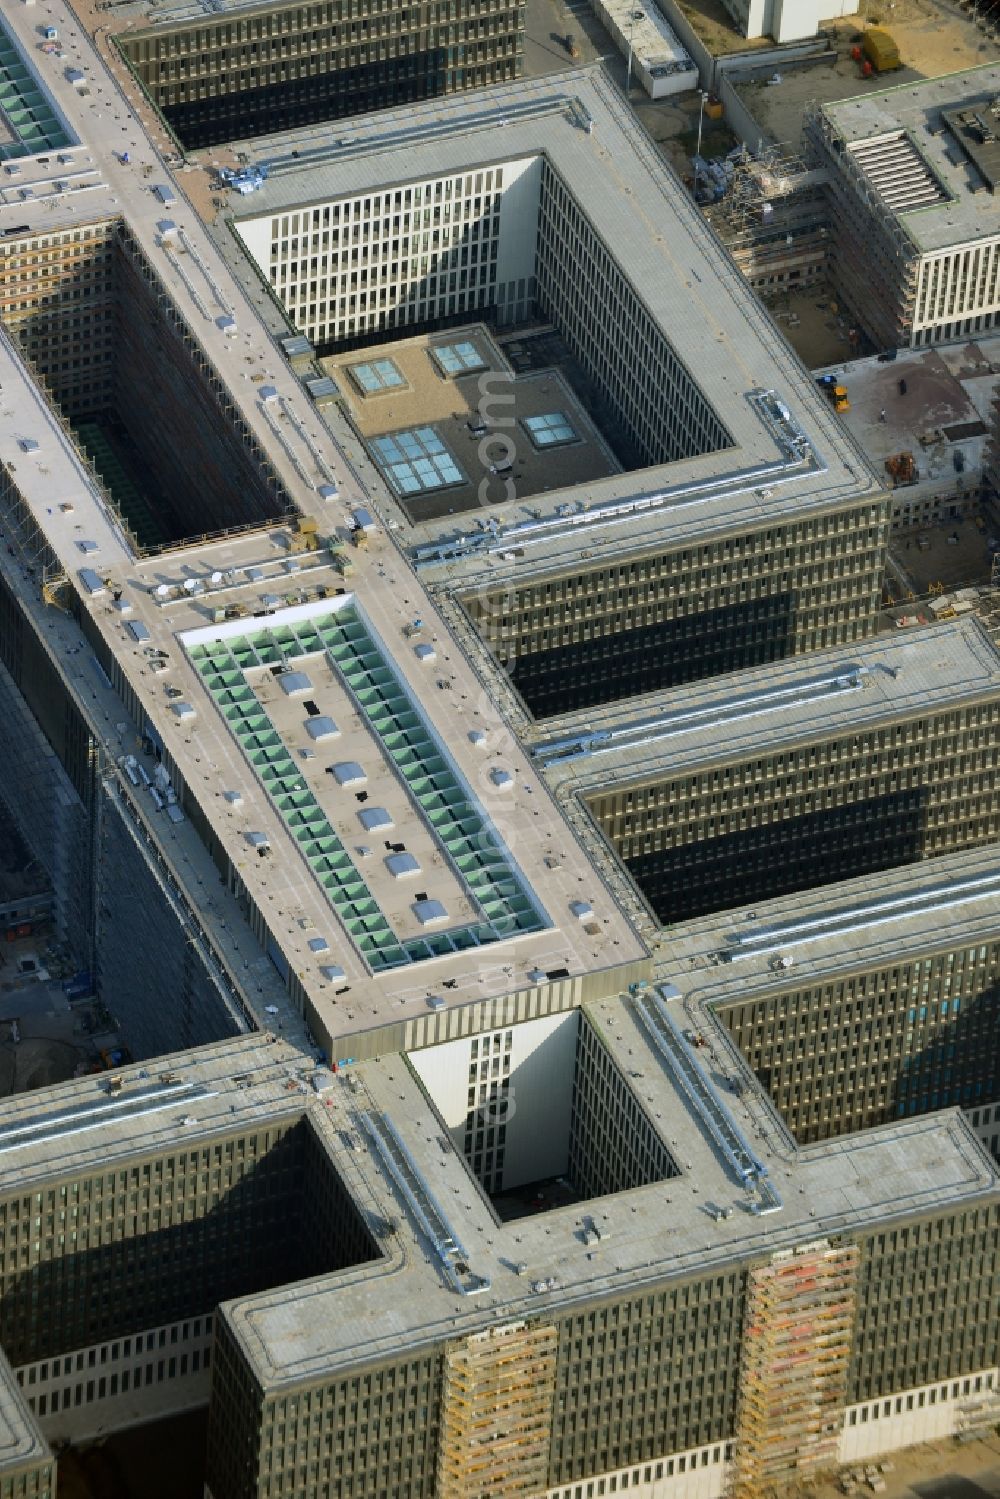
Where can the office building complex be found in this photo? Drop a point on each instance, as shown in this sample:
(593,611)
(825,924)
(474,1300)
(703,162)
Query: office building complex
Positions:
(913,172)
(754,530)
(250,68)
(797,776)
(465,1154)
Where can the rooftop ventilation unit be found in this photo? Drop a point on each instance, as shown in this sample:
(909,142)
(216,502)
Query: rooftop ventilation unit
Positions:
(348,773)
(430,912)
(322,728)
(92,582)
(375,820)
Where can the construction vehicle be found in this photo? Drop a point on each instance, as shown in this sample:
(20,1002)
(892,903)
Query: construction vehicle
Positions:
(879,49)
(835,392)
(901,469)
(115,1056)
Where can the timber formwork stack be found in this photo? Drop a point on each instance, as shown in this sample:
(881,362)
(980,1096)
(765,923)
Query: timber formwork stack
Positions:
(796,1351)
(496,1415)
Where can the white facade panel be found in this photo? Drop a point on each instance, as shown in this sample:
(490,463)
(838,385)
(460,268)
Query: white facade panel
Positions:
(957,292)
(523,1085)
(144,1376)
(919,1415)
(700,1473)
(397,257)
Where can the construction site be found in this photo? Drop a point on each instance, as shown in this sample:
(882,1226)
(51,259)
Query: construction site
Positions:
(770,210)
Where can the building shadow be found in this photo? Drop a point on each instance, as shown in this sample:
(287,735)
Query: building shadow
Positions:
(646,658)
(784,856)
(288,1217)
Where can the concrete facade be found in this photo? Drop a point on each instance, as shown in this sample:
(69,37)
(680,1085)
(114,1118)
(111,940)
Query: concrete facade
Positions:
(265,67)
(623,1298)
(917,241)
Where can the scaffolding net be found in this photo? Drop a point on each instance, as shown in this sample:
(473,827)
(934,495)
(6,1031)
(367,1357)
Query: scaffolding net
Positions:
(796,1351)
(496,1415)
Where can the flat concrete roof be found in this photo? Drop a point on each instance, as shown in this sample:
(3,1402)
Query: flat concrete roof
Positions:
(458,409)
(652,1234)
(875,920)
(970,211)
(759,711)
(947,408)
(203,748)
(212,761)
(689,286)
(163,13)
(403,1299)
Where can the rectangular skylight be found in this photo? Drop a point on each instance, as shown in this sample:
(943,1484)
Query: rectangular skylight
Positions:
(459,359)
(550,429)
(377,375)
(416,461)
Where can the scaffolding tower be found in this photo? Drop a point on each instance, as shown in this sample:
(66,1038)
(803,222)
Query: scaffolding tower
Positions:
(796,1352)
(989,602)
(875,261)
(774,218)
(496,1416)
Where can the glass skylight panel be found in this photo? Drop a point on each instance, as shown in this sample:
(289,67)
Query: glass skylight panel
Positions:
(416,461)
(459,359)
(377,375)
(550,429)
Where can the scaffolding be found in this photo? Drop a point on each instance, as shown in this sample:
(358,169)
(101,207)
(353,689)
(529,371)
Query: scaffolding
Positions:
(979,1413)
(989,602)
(496,1415)
(796,1352)
(774,219)
(876,262)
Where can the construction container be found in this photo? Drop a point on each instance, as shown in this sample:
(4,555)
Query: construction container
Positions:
(880,50)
